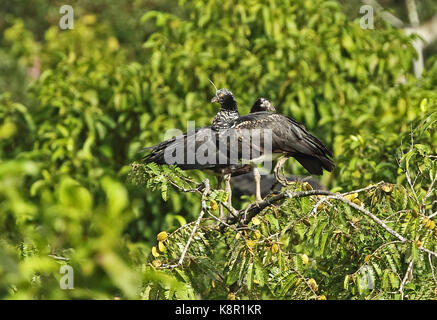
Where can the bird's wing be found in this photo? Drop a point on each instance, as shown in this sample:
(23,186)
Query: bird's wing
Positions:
(193,150)
(287,136)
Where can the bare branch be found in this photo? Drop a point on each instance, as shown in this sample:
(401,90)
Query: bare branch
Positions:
(412,13)
(428,31)
(362,210)
(206,190)
(407,276)
(245,217)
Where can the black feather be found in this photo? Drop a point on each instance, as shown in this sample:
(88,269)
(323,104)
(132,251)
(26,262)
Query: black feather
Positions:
(289,137)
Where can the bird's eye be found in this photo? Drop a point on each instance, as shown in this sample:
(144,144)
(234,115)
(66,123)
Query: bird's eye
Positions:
(221,95)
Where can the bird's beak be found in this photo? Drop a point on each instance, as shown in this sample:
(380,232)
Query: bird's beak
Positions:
(271,108)
(214,99)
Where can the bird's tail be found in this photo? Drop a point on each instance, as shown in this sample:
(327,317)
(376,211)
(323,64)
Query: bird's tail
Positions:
(315,164)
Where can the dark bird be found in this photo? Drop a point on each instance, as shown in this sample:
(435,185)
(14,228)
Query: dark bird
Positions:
(262,104)
(178,150)
(288,139)
(226,115)
(188,144)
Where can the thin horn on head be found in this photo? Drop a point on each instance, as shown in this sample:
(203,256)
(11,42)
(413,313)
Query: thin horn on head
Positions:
(213,85)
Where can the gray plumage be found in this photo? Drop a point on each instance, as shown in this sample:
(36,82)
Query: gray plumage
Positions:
(289,138)
(192,141)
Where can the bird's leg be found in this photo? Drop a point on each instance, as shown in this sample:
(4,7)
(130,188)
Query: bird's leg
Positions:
(228,189)
(278,174)
(219,182)
(258,198)
(222,216)
(257,178)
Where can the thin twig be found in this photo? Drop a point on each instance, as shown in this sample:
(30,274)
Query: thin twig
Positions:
(432,215)
(56,257)
(366,212)
(432,269)
(206,190)
(196,225)
(406,277)
(429,192)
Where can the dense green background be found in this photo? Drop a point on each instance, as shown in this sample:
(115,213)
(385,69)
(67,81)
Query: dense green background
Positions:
(76,106)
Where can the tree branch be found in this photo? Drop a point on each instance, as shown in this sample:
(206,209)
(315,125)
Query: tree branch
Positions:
(206,190)
(362,210)
(245,215)
(407,276)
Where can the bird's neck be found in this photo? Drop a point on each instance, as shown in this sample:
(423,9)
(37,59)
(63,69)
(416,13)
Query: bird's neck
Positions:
(224,118)
(229,104)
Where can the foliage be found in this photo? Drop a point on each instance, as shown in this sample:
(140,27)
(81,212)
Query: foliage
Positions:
(77,106)
(287,252)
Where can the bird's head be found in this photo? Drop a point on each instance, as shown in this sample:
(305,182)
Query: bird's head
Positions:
(262,104)
(223,96)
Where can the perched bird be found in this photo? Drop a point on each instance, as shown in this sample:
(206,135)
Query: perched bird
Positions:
(201,148)
(262,104)
(228,109)
(190,143)
(226,115)
(235,167)
(288,139)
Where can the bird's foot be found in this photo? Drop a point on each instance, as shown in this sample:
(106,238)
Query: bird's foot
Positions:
(281,179)
(258,202)
(279,172)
